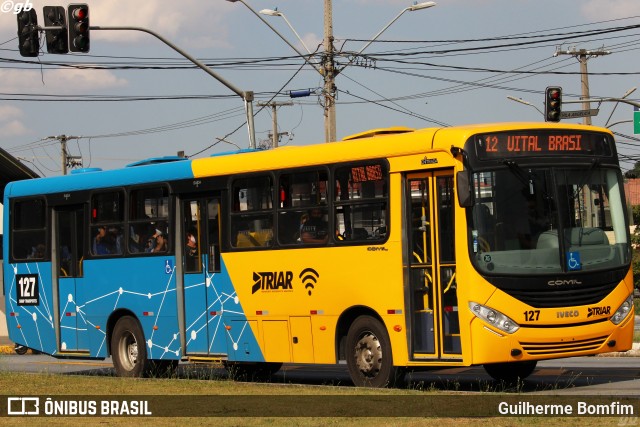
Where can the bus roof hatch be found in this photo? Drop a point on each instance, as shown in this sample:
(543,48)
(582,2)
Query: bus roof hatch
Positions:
(378,132)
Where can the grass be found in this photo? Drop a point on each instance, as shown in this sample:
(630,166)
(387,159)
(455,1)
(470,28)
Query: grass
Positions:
(21,384)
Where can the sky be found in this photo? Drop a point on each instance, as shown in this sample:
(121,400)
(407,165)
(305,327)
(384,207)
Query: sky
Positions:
(132,97)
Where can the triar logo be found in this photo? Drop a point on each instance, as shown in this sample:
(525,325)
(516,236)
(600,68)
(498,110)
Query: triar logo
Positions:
(272,281)
(599,311)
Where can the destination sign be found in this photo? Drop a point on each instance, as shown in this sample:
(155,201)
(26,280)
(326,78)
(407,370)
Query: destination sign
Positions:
(541,143)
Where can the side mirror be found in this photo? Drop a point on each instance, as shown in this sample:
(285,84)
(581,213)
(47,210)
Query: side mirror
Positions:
(465,190)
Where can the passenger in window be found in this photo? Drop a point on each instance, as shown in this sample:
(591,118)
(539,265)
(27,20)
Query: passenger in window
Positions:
(37,252)
(191,252)
(157,242)
(101,244)
(191,246)
(161,243)
(315,229)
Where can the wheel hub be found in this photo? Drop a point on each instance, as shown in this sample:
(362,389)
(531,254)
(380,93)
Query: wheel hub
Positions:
(368,355)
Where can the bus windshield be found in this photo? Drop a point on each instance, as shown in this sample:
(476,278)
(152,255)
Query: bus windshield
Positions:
(535,221)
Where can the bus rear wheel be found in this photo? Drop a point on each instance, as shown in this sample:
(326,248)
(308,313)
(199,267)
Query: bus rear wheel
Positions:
(128,350)
(510,371)
(369,356)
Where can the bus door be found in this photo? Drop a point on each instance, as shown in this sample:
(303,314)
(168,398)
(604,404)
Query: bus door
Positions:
(200,240)
(67,255)
(435,329)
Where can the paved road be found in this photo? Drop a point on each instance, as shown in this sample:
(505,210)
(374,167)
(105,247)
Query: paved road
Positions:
(608,376)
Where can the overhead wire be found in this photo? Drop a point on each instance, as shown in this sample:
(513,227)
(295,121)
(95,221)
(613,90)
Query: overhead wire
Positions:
(397,57)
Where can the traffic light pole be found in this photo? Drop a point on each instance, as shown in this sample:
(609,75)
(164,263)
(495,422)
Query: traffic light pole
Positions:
(247,96)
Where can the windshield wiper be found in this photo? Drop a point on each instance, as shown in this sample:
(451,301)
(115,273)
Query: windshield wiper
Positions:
(583,180)
(519,173)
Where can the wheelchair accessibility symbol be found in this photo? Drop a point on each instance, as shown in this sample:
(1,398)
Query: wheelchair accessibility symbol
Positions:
(168,266)
(573,261)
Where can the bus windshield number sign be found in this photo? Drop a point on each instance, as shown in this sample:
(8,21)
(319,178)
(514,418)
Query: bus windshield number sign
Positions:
(506,144)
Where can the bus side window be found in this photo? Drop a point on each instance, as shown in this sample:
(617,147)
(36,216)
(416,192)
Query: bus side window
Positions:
(361,202)
(107,221)
(252,212)
(301,194)
(148,219)
(28,239)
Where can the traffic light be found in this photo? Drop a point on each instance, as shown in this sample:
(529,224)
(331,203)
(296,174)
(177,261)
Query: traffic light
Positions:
(28,36)
(78,27)
(57,40)
(553,104)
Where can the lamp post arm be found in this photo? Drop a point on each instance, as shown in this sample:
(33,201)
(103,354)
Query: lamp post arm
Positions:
(302,55)
(522,101)
(382,31)
(629,92)
(374,38)
(296,33)
(617,123)
(247,96)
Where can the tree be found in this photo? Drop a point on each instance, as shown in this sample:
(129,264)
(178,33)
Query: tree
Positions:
(633,173)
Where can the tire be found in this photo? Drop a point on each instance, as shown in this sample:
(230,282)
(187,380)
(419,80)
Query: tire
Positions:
(128,348)
(240,371)
(510,372)
(20,349)
(369,355)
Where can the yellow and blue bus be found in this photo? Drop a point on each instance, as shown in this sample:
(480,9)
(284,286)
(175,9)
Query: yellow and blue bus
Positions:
(391,250)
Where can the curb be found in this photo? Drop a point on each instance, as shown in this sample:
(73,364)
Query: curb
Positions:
(9,349)
(6,349)
(634,352)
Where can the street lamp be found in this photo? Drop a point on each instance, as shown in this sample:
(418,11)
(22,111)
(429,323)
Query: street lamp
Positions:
(302,55)
(327,68)
(522,101)
(627,93)
(417,6)
(276,12)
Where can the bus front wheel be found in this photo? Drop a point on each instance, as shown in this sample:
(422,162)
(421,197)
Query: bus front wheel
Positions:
(369,355)
(510,371)
(128,349)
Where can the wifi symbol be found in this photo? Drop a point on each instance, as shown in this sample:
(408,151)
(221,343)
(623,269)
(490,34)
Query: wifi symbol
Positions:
(309,278)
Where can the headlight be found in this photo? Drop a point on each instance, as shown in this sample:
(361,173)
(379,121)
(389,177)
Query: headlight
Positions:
(494,317)
(623,310)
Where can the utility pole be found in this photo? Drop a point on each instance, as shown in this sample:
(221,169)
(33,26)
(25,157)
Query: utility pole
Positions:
(274,105)
(67,160)
(329,75)
(327,68)
(583,56)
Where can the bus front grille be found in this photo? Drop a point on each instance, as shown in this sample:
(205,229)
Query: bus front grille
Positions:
(557,297)
(562,347)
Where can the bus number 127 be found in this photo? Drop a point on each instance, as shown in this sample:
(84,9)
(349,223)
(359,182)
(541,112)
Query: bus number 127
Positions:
(27,289)
(532,315)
